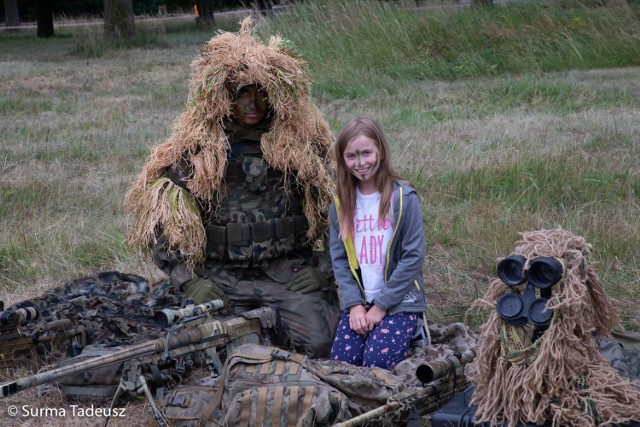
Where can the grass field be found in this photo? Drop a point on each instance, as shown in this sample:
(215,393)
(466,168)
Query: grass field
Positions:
(506,119)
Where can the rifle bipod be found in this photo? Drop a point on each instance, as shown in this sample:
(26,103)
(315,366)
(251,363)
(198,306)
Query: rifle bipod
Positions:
(132,380)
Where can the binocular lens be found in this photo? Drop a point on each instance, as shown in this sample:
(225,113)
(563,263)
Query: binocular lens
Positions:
(510,270)
(545,272)
(538,314)
(510,307)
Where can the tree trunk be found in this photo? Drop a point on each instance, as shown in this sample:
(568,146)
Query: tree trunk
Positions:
(118,19)
(205,18)
(44,18)
(12,16)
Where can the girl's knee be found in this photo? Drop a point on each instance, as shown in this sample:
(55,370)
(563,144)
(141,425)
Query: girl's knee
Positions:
(345,355)
(381,362)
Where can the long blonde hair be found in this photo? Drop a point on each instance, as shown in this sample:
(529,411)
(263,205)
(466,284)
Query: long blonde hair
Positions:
(346,182)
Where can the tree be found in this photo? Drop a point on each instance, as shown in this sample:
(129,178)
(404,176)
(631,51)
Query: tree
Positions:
(44,18)
(118,19)
(12,16)
(205,18)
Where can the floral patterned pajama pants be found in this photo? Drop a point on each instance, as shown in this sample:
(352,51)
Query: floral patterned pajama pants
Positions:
(385,346)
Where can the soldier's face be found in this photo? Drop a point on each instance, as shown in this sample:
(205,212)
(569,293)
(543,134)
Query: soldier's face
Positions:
(250,105)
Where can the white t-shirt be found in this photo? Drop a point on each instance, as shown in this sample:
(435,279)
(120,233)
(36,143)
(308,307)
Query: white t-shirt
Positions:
(371,239)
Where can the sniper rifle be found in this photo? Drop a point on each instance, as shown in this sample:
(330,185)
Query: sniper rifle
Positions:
(196,332)
(441,380)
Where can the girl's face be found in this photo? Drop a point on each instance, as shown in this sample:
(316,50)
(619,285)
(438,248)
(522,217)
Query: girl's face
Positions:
(362,158)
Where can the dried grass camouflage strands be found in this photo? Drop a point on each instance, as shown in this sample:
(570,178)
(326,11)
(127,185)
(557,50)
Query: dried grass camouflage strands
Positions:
(562,378)
(298,142)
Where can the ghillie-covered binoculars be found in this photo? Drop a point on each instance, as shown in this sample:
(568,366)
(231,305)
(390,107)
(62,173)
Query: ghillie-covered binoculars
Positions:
(519,309)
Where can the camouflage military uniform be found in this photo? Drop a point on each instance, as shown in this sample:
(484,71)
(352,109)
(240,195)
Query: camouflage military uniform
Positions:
(256,244)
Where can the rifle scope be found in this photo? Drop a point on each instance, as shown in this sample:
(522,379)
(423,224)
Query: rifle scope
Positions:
(21,316)
(169,317)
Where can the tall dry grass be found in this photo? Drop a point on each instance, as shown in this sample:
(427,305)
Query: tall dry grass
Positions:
(492,154)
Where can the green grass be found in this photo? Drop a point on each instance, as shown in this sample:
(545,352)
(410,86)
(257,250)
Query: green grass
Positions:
(371,40)
(507,119)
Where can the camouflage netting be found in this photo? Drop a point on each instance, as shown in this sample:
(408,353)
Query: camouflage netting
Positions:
(298,143)
(561,378)
(114,308)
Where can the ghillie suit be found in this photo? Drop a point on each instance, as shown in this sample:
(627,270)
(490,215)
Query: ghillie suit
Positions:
(297,144)
(561,377)
(233,210)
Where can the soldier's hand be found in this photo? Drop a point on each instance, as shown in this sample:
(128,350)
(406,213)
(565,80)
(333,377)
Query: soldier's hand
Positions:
(307,279)
(204,290)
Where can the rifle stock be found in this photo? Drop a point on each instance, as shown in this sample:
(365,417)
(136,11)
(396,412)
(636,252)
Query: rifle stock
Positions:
(205,335)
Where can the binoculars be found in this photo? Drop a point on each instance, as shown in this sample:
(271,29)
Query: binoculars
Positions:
(519,309)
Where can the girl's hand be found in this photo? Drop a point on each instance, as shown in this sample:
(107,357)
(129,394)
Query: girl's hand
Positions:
(374,317)
(357,320)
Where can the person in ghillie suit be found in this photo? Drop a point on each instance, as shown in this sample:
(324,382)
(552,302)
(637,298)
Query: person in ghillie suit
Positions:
(234,203)
(560,377)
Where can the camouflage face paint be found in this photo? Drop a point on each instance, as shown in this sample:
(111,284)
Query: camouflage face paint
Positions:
(250,105)
(362,159)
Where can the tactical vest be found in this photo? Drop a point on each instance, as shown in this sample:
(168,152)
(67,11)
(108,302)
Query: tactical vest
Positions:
(256,220)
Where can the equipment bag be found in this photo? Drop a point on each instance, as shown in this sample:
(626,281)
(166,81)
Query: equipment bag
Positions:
(184,405)
(98,384)
(269,386)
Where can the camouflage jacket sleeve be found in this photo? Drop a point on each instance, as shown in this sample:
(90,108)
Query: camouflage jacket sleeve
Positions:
(165,259)
(170,264)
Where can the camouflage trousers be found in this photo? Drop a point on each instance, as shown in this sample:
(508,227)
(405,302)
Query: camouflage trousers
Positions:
(309,321)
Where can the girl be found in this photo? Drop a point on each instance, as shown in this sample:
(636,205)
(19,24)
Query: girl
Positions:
(377,248)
